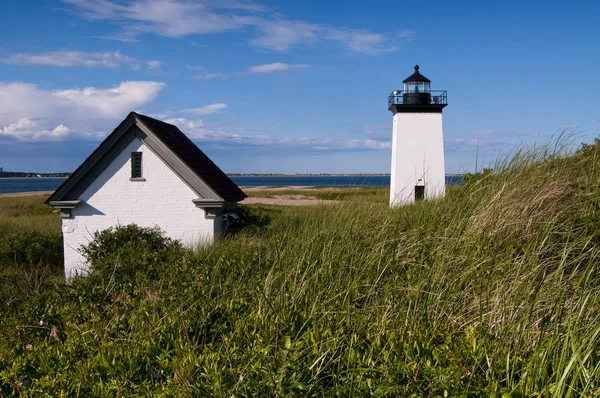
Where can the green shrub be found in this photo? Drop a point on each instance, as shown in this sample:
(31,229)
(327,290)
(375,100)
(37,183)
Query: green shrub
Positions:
(589,149)
(31,248)
(244,218)
(127,251)
(472,178)
(29,261)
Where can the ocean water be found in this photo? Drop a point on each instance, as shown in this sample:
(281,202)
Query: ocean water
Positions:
(13,185)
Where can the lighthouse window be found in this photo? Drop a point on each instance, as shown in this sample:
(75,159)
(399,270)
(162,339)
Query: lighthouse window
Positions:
(415,87)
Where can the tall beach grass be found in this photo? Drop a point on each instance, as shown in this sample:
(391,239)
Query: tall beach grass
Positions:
(492,291)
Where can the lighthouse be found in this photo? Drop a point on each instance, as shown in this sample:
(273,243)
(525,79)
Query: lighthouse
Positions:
(418,142)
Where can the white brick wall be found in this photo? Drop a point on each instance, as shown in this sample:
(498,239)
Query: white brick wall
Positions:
(417,154)
(162,200)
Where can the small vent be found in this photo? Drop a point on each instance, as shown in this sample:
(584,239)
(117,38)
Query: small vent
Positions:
(136,164)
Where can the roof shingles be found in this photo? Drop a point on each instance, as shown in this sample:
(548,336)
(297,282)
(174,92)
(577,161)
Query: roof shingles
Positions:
(194,158)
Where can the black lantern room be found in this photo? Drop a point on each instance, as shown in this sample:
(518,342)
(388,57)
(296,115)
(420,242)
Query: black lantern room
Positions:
(417,96)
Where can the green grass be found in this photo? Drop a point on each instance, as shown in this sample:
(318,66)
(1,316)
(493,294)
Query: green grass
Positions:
(30,250)
(26,213)
(493,291)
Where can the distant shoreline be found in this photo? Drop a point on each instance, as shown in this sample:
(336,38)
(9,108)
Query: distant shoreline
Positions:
(271,175)
(249,188)
(25,185)
(21,178)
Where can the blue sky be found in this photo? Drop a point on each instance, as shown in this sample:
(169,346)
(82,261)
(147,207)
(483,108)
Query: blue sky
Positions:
(285,87)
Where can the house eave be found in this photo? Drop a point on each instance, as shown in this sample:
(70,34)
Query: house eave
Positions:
(213,208)
(64,204)
(211,203)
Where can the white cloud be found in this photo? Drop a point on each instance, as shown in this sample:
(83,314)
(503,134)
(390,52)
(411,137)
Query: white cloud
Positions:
(265,68)
(197,130)
(30,113)
(154,66)
(196,68)
(205,110)
(179,18)
(245,5)
(72,58)
(362,41)
(367,144)
(407,34)
(123,38)
(113,101)
(205,74)
(275,67)
(280,35)
(29,130)
(211,76)
(185,124)
(283,34)
(164,17)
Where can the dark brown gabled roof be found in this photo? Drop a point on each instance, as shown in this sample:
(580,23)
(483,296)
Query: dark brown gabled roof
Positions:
(195,159)
(187,161)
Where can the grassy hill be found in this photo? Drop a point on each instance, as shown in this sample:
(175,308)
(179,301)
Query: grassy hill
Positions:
(493,291)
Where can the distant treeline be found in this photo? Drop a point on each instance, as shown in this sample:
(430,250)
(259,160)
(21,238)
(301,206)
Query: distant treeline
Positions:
(20,174)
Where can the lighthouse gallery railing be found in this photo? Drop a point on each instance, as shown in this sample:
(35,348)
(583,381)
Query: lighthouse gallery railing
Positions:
(433,97)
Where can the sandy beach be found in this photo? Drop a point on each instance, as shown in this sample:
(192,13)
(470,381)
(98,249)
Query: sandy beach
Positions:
(37,193)
(281,200)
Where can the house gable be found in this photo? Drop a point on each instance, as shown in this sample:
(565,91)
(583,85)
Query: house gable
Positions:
(168,143)
(89,170)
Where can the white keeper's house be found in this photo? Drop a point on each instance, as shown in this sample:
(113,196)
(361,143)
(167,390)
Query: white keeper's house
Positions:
(149,173)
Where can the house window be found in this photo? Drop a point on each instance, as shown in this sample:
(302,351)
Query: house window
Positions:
(136,166)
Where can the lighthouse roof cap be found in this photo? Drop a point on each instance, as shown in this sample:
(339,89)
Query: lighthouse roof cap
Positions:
(416,77)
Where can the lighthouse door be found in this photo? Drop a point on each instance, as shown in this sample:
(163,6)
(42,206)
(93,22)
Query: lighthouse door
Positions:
(419,192)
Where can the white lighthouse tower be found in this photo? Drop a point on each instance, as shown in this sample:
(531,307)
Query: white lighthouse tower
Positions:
(418,143)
